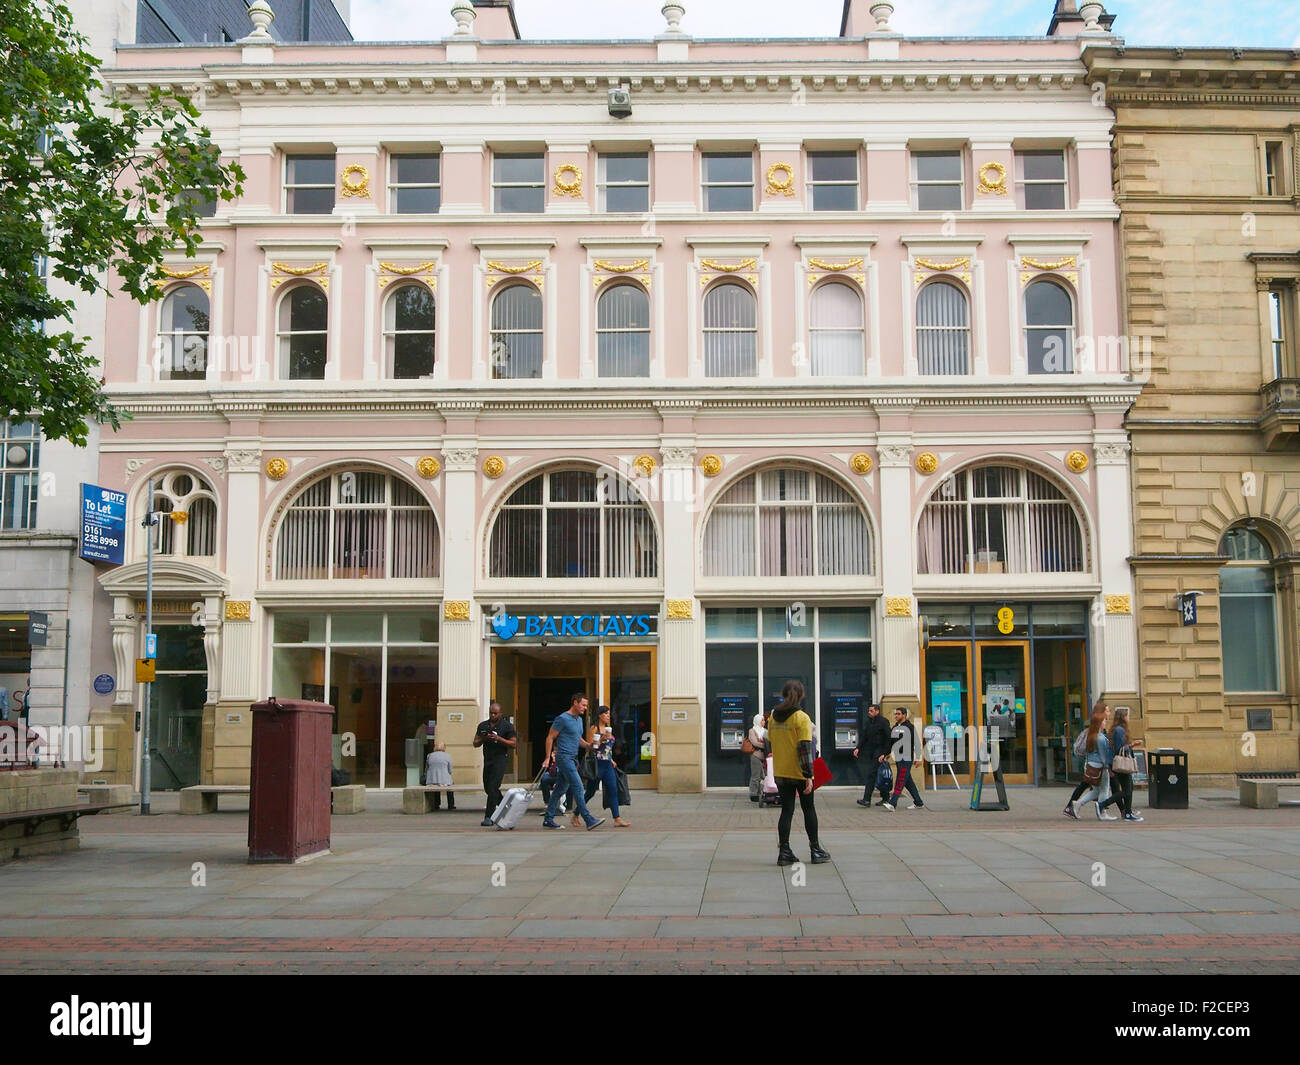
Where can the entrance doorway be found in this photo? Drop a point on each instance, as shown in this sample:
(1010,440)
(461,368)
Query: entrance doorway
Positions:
(629,691)
(176,708)
(533,684)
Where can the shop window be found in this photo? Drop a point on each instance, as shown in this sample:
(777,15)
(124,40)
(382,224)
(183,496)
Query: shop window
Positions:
(519,184)
(19,474)
(409,318)
(1049,328)
(1040,180)
(183,328)
(517,338)
(730,331)
(623,182)
(833,180)
(358,524)
(202,202)
(999,519)
(309,184)
(942,330)
(415,183)
(186,509)
(623,332)
(836,331)
(728,182)
(786,523)
(1248,613)
(574,523)
(302,330)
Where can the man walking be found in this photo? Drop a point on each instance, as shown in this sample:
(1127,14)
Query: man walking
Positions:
(563,743)
(497,738)
(873,746)
(903,737)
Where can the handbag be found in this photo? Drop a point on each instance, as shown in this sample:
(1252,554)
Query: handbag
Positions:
(1124,762)
(746,745)
(821,773)
(1091,773)
(624,794)
(884,776)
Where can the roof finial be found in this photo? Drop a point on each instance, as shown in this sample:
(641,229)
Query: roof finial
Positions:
(464,14)
(1091,13)
(673,12)
(262,16)
(881,12)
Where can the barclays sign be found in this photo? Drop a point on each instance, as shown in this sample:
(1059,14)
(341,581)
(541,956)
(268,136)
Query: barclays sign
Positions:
(574,626)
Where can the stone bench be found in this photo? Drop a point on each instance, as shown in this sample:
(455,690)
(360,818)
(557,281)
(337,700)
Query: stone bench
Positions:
(1262,794)
(120,796)
(419,798)
(202,798)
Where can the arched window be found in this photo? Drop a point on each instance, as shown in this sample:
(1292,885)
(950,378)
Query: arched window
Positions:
(942,330)
(786,522)
(187,515)
(517,333)
(836,331)
(574,523)
(409,332)
(730,331)
(301,331)
(183,329)
(999,519)
(1248,613)
(1049,328)
(357,524)
(623,332)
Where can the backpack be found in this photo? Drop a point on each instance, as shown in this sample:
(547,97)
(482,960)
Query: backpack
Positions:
(1081,744)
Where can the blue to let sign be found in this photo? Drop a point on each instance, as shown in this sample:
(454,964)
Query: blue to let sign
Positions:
(103,525)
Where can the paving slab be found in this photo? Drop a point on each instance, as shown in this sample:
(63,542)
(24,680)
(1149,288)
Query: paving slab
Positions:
(963,925)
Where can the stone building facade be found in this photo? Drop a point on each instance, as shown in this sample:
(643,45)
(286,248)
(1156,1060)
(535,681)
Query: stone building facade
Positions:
(1207,153)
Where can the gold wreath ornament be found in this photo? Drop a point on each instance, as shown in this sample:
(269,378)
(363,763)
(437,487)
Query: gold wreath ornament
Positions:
(995,185)
(646,464)
(355,180)
(780,186)
(861,463)
(927,462)
(276,469)
(1077,461)
(494,466)
(711,465)
(428,467)
(568,186)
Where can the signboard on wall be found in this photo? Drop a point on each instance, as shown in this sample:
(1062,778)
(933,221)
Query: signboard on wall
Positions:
(588,627)
(103,525)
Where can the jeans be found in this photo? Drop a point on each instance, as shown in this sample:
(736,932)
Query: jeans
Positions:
(608,778)
(1123,793)
(571,783)
(1099,791)
(492,775)
(871,770)
(788,789)
(903,778)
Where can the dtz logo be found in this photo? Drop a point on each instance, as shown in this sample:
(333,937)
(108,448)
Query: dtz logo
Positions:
(505,625)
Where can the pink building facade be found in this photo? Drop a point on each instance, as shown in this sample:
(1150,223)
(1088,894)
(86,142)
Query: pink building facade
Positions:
(809,366)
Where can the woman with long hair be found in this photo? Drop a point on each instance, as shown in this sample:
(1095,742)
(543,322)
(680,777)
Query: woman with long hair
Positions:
(1122,783)
(1096,761)
(601,738)
(790,737)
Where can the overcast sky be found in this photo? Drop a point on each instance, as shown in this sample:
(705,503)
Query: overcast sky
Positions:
(1254,23)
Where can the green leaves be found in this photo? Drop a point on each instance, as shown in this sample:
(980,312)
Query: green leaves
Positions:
(88,184)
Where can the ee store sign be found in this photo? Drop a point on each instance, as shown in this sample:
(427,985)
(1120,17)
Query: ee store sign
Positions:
(573,626)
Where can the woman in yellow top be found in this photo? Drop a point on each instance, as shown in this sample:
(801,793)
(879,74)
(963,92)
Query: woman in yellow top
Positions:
(789,735)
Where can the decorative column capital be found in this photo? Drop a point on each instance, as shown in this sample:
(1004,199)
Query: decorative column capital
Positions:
(460,459)
(895,455)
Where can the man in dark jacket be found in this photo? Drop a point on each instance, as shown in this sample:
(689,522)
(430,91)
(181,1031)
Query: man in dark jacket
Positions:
(872,750)
(903,744)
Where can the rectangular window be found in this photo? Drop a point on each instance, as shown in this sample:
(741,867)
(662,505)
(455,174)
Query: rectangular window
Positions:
(1277,320)
(1274,178)
(1248,609)
(309,184)
(1040,180)
(937,180)
(20,452)
(202,201)
(415,184)
(728,181)
(624,183)
(518,184)
(833,179)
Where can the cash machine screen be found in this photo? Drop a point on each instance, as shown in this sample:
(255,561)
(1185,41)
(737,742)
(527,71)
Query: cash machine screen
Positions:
(734,714)
(846,708)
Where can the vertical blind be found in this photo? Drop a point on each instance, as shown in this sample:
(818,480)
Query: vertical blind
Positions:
(517,333)
(303,321)
(942,330)
(623,332)
(181,491)
(786,523)
(836,331)
(358,524)
(730,331)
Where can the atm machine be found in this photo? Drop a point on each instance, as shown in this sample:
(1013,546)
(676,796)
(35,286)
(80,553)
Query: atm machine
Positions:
(734,717)
(846,711)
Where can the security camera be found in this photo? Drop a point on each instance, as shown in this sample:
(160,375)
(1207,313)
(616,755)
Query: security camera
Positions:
(543,643)
(620,103)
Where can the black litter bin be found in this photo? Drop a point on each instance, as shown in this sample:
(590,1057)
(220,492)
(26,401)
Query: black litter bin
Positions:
(1167,779)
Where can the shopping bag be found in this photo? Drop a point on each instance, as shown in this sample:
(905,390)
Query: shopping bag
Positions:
(884,777)
(821,773)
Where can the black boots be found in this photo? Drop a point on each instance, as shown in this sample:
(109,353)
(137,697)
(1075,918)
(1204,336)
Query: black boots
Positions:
(785,856)
(819,856)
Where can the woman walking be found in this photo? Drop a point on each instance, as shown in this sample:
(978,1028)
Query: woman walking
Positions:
(757,737)
(601,738)
(1097,759)
(1121,783)
(789,732)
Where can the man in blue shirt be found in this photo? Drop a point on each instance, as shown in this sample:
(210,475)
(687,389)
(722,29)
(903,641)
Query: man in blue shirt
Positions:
(563,743)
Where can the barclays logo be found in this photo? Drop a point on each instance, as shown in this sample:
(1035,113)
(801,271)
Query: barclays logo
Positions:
(505,625)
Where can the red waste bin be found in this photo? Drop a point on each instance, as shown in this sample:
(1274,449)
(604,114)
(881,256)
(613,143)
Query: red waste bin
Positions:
(289,796)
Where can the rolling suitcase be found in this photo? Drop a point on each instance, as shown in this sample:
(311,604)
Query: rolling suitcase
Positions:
(514,804)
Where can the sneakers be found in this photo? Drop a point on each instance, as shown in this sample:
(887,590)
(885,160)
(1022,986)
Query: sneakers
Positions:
(882,802)
(595,824)
(1133,817)
(888,806)
(819,856)
(486,822)
(917,806)
(548,823)
(864,802)
(1070,811)
(785,856)
(1106,817)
